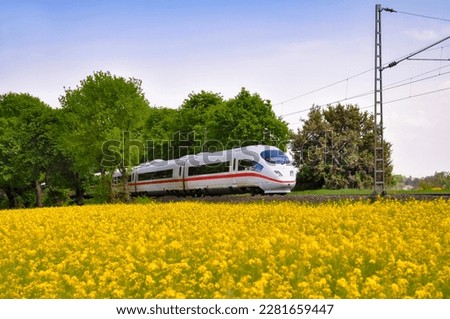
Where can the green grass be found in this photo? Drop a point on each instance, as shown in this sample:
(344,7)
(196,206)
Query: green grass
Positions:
(347,191)
(363,192)
(420,191)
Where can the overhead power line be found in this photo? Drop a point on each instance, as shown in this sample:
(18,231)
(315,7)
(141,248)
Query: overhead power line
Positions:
(410,97)
(415,81)
(427,59)
(409,56)
(323,87)
(417,76)
(388,102)
(391,86)
(385,66)
(422,16)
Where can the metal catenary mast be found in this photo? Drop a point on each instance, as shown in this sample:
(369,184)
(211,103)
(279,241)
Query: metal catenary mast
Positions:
(379,186)
(379,166)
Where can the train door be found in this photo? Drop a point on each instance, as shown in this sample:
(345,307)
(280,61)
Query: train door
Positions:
(233,171)
(132,179)
(182,174)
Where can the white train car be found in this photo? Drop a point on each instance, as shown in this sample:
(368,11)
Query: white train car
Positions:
(257,169)
(254,169)
(156,178)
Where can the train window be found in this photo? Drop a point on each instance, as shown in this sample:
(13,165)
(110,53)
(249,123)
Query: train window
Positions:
(209,169)
(275,157)
(248,165)
(155,175)
(130,178)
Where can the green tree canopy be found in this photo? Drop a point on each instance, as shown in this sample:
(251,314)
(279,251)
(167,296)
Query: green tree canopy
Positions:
(207,122)
(244,120)
(104,108)
(160,128)
(105,123)
(193,130)
(334,149)
(27,145)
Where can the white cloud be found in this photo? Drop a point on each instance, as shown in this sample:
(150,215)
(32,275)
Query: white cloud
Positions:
(423,35)
(412,120)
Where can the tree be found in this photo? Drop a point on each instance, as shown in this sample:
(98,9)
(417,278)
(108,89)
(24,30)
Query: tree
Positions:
(12,182)
(334,149)
(244,120)
(207,122)
(440,180)
(193,131)
(99,116)
(27,145)
(161,125)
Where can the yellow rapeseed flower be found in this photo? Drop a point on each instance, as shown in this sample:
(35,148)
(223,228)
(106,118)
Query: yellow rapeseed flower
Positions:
(386,249)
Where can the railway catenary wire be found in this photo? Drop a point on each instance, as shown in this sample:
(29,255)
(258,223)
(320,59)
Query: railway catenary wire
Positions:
(421,16)
(386,65)
(388,87)
(367,92)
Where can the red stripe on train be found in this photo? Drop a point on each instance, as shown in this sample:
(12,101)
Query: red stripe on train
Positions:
(209,177)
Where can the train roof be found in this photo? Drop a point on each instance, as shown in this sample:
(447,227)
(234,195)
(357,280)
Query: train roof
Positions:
(253,151)
(158,164)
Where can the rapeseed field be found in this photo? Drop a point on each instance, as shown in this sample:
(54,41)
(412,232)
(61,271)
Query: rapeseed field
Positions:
(386,249)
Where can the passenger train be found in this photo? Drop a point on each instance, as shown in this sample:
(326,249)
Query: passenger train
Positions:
(257,169)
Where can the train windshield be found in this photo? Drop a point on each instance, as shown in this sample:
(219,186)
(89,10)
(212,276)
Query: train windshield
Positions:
(275,157)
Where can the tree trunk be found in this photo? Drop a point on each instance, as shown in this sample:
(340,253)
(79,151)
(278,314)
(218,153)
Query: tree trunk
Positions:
(79,190)
(126,193)
(38,190)
(79,196)
(12,203)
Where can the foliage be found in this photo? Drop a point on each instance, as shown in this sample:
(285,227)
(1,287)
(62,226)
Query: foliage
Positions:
(207,122)
(27,147)
(334,149)
(440,181)
(245,120)
(56,195)
(194,131)
(99,116)
(387,249)
(106,123)
(160,128)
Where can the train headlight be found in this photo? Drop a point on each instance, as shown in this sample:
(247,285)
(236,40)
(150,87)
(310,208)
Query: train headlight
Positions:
(278,173)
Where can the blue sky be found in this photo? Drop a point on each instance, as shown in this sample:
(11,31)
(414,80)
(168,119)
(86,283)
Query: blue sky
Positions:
(278,49)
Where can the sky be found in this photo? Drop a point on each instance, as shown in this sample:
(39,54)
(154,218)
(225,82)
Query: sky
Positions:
(294,53)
